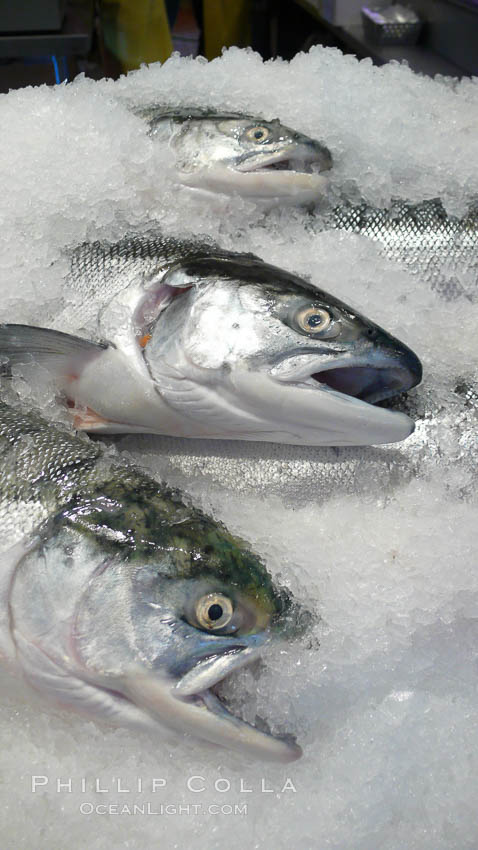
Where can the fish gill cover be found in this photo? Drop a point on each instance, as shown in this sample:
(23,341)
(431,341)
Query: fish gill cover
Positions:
(380,542)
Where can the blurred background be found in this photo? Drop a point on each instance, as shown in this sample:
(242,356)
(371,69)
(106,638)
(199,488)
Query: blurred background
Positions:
(50,41)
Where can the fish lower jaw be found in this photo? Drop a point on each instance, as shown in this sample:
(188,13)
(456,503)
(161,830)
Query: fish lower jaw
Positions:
(190,706)
(325,415)
(280,165)
(261,184)
(257,742)
(198,690)
(317,385)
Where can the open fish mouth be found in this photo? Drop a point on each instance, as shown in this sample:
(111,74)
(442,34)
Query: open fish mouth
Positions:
(192,705)
(287,165)
(306,162)
(366,383)
(258,742)
(342,397)
(294,174)
(212,671)
(357,380)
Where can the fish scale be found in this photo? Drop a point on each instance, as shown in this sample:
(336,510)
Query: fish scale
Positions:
(40,466)
(441,249)
(100,270)
(320,474)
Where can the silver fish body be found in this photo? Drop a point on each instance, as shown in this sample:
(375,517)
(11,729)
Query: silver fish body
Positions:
(234,153)
(200,342)
(219,152)
(119,600)
(298,476)
(441,249)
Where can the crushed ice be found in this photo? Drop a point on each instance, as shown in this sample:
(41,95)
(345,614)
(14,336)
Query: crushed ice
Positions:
(380,542)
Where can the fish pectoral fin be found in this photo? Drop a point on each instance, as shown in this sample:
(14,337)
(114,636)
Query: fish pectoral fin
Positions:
(86,419)
(61,354)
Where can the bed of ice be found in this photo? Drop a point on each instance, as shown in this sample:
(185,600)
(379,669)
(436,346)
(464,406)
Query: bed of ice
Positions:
(381,542)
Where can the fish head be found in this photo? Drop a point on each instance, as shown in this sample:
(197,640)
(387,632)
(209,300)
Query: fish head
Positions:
(268,356)
(235,153)
(157,604)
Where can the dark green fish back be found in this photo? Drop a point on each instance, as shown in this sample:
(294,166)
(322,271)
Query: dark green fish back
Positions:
(144,521)
(51,478)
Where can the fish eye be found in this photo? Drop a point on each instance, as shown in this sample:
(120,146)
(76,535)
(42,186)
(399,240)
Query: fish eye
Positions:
(257,134)
(214,611)
(313,320)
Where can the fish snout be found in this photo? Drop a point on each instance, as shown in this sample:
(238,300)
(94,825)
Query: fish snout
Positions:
(385,368)
(414,367)
(322,155)
(312,151)
(401,357)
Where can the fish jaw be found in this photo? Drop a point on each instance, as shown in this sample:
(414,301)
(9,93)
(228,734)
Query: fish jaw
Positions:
(301,156)
(350,387)
(332,400)
(290,402)
(152,700)
(294,187)
(189,704)
(284,173)
(304,413)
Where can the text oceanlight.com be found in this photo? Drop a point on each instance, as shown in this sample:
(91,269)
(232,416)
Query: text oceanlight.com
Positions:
(185,809)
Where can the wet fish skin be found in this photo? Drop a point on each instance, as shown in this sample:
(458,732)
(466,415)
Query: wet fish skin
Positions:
(441,249)
(208,343)
(106,585)
(301,475)
(235,153)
